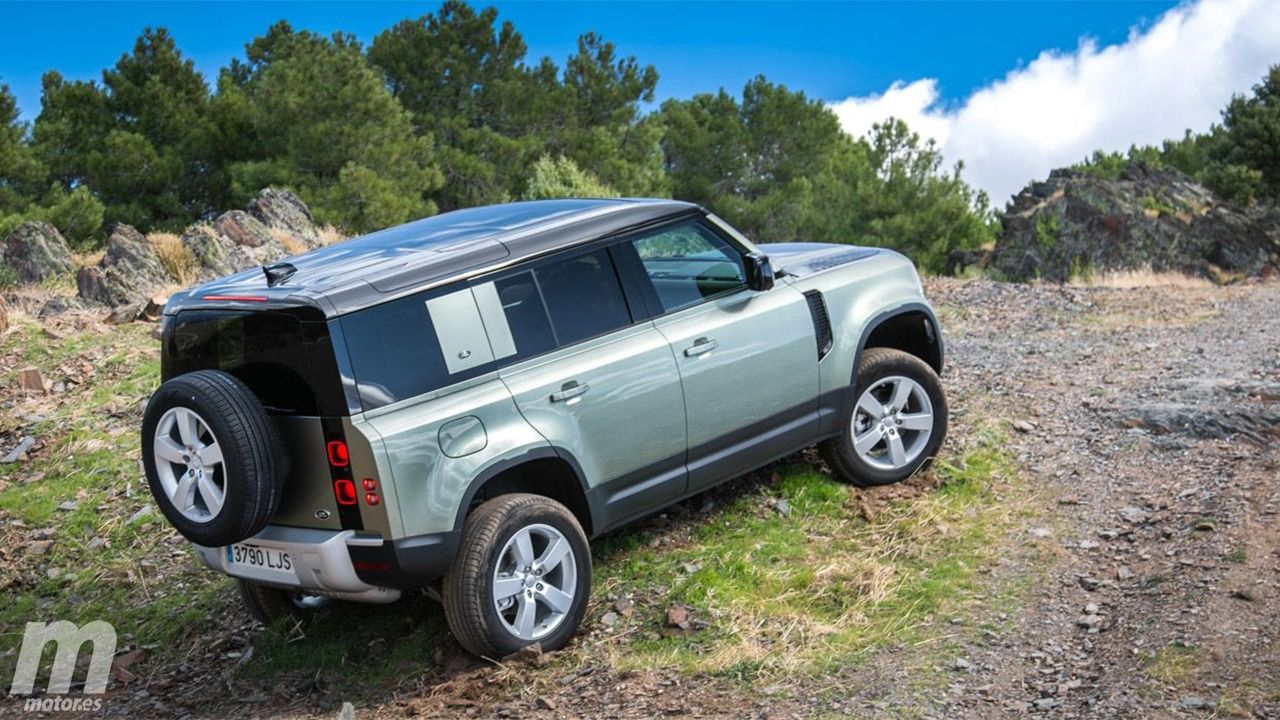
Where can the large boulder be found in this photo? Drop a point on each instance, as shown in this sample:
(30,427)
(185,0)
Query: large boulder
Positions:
(37,251)
(128,273)
(243,229)
(1077,223)
(285,212)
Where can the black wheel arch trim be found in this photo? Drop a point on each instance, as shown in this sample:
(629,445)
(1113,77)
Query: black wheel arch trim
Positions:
(884,316)
(547,452)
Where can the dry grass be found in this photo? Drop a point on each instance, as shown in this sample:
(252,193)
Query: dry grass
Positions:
(290,242)
(293,245)
(1146,278)
(174,256)
(330,235)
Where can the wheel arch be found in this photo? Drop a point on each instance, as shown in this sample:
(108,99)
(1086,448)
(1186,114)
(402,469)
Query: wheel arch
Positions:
(547,471)
(912,328)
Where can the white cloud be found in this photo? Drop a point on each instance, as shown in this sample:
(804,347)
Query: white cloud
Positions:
(1177,74)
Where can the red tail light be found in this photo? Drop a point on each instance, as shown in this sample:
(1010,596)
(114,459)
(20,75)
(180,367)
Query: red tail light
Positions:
(370,484)
(338,455)
(345,491)
(371,498)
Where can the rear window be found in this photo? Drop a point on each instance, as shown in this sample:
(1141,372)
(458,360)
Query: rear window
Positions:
(285,357)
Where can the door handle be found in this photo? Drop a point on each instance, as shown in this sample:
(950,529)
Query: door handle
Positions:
(569,391)
(701,346)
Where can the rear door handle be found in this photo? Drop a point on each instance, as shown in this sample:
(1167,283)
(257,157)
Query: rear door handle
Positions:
(569,391)
(701,346)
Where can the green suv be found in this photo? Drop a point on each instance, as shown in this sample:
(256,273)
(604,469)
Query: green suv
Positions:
(458,403)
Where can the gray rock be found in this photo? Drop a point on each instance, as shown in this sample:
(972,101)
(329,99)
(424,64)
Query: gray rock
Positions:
(1196,702)
(1147,218)
(37,251)
(284,211)
(20,450)
(128,273)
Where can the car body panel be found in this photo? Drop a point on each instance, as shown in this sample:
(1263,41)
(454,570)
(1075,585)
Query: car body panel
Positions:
(429,484)
(763,361)
(632,415)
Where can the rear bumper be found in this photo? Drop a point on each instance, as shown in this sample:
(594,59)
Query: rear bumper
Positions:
(319,562)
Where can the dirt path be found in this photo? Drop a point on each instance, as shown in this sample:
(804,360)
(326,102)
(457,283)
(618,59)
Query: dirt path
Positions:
(1153,418)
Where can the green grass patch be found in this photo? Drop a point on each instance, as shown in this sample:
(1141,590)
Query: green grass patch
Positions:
(820,587)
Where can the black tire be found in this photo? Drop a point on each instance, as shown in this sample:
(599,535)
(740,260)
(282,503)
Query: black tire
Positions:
(469,604)
(267,604)
(875,365)
(252,471)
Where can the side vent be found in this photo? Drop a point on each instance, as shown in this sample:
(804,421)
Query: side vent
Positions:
(821,321)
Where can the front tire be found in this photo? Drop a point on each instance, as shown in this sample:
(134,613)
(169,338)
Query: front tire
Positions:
(895,425)
(522,576)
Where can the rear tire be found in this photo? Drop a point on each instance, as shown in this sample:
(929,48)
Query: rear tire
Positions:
(212,458)
(268,604)
(522,576)
(894,394)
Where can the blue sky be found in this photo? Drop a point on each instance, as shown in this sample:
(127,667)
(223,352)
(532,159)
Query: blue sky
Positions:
(829,50)
(1011,89)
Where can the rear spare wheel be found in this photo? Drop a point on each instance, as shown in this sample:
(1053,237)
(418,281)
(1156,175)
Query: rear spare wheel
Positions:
(212,458)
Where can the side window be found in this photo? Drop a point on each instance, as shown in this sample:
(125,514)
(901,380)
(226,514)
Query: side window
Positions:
(583,296)
(689,263)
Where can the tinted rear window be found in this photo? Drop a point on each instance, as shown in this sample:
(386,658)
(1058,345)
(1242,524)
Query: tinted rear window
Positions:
(583,296)
(284,357)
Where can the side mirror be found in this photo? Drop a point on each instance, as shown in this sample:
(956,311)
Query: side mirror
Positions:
(759,271)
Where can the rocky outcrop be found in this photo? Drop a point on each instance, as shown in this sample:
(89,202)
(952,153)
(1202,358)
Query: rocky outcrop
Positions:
(132,275)
(235,241)
(36,251)
(284,212)
(128,272)
(1076,223)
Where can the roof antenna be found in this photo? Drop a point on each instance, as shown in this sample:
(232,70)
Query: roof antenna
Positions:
(278,273)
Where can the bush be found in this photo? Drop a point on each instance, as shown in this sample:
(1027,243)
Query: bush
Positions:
(560,177)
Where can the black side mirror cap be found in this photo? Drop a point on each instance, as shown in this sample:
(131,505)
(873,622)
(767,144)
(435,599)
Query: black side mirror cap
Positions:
(759,271)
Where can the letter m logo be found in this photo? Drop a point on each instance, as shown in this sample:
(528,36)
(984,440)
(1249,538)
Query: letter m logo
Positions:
(67,638)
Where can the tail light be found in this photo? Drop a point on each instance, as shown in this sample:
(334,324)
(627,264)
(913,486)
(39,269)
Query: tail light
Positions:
(338,454)
(370,491)
(344,491)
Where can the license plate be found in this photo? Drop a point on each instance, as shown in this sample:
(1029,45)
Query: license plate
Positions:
(259,558)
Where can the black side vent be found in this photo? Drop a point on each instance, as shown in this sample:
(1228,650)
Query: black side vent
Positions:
(821,321)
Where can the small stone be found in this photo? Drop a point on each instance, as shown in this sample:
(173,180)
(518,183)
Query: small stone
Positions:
(1195,702)
(96,542)
(142,512)
(529,655)
(1134,515)
(30,380)
(1244,594)
(1124,573)
(1023,426)
(782,507)
(1089,583)
(678,616)
(609,619)
(624,607)
(1040,532)
(962,665)
(1091,609)
(690,568)
(39,547)
(348,712)
(545,703)
(67,506)
(1043,704)
(20,451)
(1089,621)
